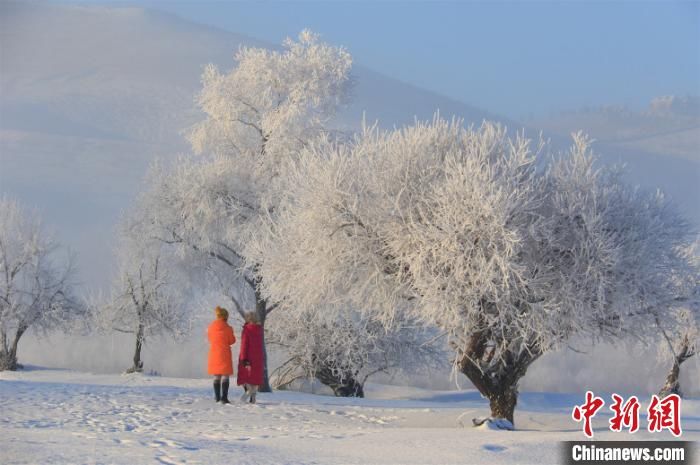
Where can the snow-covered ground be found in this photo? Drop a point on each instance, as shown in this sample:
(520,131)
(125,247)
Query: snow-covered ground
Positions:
(61,416)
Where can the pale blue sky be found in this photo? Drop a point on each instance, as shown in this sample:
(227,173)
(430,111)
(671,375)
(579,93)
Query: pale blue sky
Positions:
(513,58)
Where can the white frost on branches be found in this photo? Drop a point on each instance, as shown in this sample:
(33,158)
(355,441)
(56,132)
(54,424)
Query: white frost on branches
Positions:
(257,116)
(146,298)
(476,233)
(272,103)
(342,348)
(36,289)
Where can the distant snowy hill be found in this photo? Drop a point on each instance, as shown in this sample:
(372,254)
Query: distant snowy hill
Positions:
(660,145)
(669,125)
(90,95)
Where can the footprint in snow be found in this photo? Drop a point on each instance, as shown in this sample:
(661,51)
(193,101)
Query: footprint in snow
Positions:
(493,448)
(164,459)
(170,443)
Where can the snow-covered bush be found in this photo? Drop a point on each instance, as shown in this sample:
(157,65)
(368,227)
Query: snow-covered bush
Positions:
(478,234)
(36,289)
(342,348)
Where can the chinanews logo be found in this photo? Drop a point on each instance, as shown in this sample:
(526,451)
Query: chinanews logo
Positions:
(661,414)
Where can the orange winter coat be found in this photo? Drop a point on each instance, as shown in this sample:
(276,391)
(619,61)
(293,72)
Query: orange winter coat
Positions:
(221,339)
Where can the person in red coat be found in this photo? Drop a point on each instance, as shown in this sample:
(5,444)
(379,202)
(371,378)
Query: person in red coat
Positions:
(251,359)
(220,364)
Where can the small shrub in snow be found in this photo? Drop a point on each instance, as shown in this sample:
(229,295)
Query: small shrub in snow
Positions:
(342,348)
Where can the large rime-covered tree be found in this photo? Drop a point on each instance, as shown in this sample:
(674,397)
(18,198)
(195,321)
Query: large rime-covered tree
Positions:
(477,233)
(256,117)
(146,298)
(36,289)
(342,348)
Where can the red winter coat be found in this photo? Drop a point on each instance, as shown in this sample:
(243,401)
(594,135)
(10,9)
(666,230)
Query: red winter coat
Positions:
(221,339)
(251,350)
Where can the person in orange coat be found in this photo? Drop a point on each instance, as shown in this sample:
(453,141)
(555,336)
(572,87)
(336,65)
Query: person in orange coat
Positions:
(220,364)
(251,359)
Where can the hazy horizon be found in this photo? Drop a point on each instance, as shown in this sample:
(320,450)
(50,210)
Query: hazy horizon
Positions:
(521,59)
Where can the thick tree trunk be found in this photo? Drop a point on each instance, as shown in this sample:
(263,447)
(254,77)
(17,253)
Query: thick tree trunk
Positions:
(138,363)
(261,310)
(343,384)
(8,355)
(503,403)
(8,361)
(502,394)
(498,383)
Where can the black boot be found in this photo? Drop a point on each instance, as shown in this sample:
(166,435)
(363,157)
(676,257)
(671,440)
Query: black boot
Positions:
(224,392)
(217,389)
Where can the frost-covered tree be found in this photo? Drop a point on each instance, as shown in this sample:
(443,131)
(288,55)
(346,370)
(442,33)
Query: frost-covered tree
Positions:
(271,103)
(257,116)
(480,235)
(342,348)
(36,289)
(146,298)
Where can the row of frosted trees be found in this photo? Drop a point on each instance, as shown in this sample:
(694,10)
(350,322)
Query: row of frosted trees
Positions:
(365,253)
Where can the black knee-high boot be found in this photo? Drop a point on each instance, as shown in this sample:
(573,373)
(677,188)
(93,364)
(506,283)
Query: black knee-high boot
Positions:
(224,392)
(217,389)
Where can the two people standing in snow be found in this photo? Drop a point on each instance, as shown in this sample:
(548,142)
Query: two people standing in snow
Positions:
(250,360)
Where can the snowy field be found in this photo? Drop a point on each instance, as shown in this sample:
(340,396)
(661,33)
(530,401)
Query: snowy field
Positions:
(60,416)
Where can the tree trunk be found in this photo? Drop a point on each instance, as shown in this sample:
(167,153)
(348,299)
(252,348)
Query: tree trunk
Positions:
(503,403)
(502,395)
(498,383)
(673,384)
(349,388)
(343,383)
(261,310)
(8,361)
(8,355)
(138,363)
(5,359)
